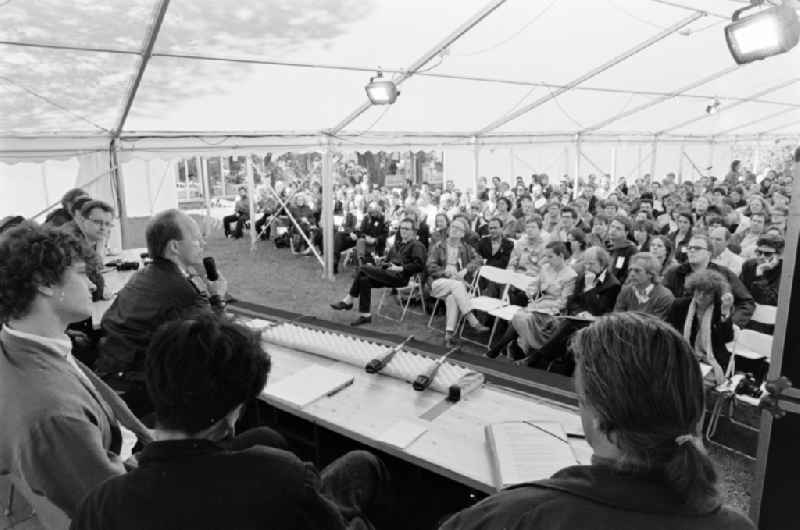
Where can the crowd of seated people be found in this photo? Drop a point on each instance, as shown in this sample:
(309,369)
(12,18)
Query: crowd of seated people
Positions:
(171,374)
(734,226)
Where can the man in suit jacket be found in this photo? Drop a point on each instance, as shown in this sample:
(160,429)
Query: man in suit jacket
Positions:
(60,428)
(166,289)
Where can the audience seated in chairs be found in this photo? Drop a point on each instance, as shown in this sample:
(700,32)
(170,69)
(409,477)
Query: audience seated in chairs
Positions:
(306,225)
(269,208)
(166,289)
(698,259)
(199,474)
(532,327)
(405,259)
(643,291)
(649,468)
(451,267)
(368,238)
(595,294)
(622,248)
(240,216)
(60,428)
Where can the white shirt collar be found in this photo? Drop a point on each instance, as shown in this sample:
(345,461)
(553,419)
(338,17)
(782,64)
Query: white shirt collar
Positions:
(62,346)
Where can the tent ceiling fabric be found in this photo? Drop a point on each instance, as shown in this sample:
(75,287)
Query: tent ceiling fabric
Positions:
(524,43)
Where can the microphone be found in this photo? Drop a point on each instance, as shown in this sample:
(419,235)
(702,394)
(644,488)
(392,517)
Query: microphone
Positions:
(211,269)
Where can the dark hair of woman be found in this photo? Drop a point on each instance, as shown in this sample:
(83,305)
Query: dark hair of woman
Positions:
(558,248)
(653,421)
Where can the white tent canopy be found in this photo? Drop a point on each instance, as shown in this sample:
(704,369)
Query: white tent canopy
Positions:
(500,86)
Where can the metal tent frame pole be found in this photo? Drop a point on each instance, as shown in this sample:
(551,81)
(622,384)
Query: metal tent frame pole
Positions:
(327,210)
(659,100)
(592,73)
(476,154)
(251,199)
(422,61)
(724,108)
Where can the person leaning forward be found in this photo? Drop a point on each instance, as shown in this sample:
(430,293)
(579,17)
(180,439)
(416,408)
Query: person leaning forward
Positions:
(406,258)
(164,290)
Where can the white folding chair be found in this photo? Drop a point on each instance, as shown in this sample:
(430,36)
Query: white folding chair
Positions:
(765,314)
(487,304)
(747,344)
(507,312)
(412,291)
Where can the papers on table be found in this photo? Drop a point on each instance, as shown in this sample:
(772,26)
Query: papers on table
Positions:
(525,451)
(308,385)
(257,324)
(403,433)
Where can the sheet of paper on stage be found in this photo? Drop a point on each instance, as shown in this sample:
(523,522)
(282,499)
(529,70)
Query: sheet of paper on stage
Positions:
(403,433)
(308,385)
(524,451)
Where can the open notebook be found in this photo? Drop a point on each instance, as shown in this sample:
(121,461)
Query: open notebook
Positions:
(308,385)
(524,451)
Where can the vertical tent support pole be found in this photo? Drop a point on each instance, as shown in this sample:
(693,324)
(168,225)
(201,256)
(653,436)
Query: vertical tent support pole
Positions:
(251,196)
(327,209)
(206,191)
(511,165)
(680,163)
(577,164)
(566,160)
(653,156)
(476,153)
(710,157)
(122,209)
(221,174)
(613,163)
(756,155)
(44,184)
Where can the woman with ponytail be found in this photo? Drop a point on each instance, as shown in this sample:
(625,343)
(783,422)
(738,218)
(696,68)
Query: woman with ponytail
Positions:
(640,393)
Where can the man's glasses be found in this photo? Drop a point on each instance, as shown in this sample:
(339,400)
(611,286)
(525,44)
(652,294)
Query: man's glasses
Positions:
(767,253)
(99,223)
(695,248)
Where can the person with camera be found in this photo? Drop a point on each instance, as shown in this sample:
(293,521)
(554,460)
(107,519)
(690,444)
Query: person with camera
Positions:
(405,259)
(649,468)
(164,290)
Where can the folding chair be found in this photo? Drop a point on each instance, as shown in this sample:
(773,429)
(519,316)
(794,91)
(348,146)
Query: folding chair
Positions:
(411,290)
(507,312)
(765,314)
(487,304)
(747,344)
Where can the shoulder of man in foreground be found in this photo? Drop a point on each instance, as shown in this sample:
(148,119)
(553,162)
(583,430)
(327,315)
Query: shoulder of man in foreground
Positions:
(291,491)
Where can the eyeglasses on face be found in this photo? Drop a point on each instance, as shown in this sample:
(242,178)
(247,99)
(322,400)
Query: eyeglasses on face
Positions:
(99,223)
(764,252)
(695,248)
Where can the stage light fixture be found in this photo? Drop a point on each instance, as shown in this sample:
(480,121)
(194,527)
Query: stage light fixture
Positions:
(713,107)
(381,91)
(769,32)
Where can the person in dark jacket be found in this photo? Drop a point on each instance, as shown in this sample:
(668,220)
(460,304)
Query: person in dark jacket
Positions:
(166,289)
(649,469)
(762,276)
(198,474)
(698,259)
(406,258)
(372,233)
(622,248)
(495,248)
